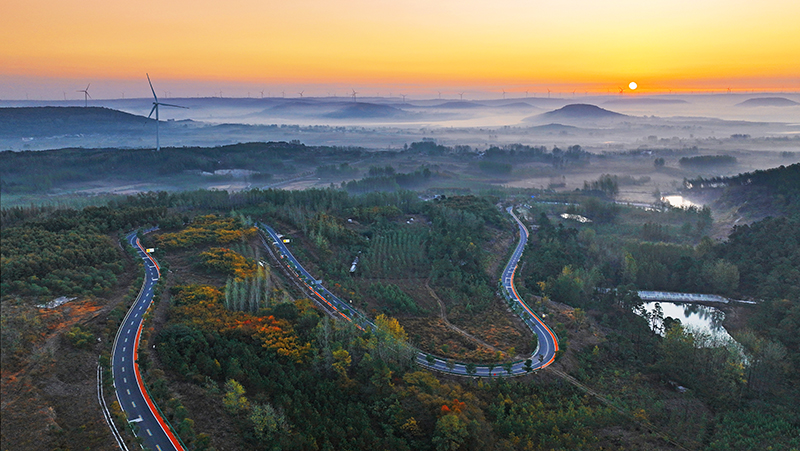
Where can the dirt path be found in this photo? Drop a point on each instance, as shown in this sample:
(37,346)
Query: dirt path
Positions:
(443,315)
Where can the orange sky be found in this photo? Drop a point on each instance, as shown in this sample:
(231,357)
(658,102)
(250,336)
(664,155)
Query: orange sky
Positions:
(199,46)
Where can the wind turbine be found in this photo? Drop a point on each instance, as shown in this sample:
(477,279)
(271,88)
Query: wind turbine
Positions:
(86,95)
(573,92)
(440,95)
(621,91)
(156,103)
(461,96)
(526,94)
(404,97)
(301,93)
(262,94)
(548,93)
(65,95)
(504,94)
(354,95)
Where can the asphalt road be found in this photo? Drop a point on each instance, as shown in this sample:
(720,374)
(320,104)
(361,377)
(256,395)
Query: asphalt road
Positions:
(128,384)
(543,356)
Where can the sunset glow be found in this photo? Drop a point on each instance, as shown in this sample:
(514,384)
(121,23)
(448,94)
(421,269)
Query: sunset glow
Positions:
(410,45)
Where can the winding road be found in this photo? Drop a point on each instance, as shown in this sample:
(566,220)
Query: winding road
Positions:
(128,384)
(543,356)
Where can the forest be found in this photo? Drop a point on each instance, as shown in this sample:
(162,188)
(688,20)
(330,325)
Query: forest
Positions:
(276,370)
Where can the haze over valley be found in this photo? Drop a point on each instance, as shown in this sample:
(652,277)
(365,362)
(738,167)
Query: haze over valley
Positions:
(407,225)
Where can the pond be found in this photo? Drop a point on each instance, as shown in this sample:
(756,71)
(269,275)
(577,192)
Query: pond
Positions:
(679,201)
(699,318)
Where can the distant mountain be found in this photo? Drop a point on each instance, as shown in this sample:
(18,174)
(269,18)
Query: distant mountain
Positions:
(459,105)
(643,101)
(577,112)
(53,121)
(521,105)
(582,111)
(363,110)
(555,128)
(768,101)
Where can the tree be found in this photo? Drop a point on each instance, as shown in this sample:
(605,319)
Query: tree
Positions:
(723,276)
(471,369)
(234,400)
(266,420)
(450,433)
(341,362)
(658,162)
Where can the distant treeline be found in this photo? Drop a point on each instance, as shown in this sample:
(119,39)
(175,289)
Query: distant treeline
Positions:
(782,185)
(389,181)
(32,171)
(782,178)
(336,170)
(495,167)
(522,153)
(39,171)
(707,160)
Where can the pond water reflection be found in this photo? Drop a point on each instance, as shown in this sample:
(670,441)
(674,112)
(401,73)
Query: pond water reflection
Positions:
(698,317)
(679,201)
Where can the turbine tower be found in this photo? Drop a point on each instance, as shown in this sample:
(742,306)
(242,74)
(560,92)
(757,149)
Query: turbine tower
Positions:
(156,103)
(404,97)
(86,95)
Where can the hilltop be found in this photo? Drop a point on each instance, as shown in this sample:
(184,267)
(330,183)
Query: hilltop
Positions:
(582,111)
(577,112)
(768,101)
(51,121)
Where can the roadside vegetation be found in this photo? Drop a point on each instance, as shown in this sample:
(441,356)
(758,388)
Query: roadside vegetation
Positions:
(243,359)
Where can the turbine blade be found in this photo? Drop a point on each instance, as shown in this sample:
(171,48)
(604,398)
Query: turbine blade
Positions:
(174,106)
(87,93)
(151,87)
(155,105)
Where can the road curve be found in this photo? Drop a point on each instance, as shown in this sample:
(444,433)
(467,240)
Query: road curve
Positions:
(543,356)
(128,384)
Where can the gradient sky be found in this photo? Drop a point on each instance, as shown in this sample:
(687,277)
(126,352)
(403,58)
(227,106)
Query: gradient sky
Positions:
(411,46)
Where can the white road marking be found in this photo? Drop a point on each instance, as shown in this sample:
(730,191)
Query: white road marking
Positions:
(149,433)
(123,359)
(123,369)
(125,379)
(124,348)
(129,391)
(133,404)
(126,340)
(159,448)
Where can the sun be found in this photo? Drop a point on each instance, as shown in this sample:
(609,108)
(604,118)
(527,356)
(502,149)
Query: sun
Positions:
(633,85)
